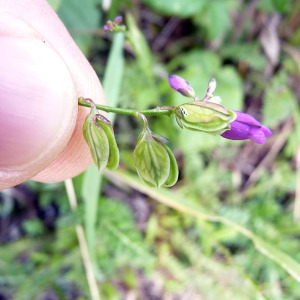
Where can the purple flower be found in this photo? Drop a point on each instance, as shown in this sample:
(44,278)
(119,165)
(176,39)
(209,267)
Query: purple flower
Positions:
(118,19)
(181,85)
(246,127)
(106,28)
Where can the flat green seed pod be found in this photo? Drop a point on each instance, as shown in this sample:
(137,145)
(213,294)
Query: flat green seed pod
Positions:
(151,160)
(173,175)
(114,154)
(97,142)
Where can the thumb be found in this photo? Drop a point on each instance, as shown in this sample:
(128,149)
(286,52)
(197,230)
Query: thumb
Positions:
(42,73)
(36,120)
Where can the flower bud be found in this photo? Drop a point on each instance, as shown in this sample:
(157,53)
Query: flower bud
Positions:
(211,88)
(114,26)
(181,85)
(118,19)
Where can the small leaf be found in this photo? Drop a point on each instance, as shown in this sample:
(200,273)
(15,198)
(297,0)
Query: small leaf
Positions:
(282,5)
(151,160)
(84,17)
(178,8)
(279,101)
(97,142)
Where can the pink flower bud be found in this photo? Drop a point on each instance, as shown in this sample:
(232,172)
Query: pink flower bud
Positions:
(118,19)
(181,85)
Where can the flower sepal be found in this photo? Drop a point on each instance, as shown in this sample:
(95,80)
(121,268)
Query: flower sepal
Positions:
(204,116)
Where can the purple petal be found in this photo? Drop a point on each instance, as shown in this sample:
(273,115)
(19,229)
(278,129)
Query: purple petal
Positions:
(118,19)
(238,131)
(246,127)
(246,118)
(106,28)
(181,85)
(267,132)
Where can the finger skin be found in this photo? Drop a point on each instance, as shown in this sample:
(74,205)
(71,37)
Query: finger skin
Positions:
(42,73)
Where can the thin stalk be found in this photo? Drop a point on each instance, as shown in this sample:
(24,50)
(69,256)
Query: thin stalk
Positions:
(158,111)
(83,244)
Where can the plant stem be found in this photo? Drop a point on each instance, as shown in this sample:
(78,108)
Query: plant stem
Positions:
(91,279)
(158,111)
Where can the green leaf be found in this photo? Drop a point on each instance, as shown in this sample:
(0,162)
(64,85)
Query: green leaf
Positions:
(215,18)
(151,160)
(140,46)
(143,86)
(90,192)
(230,88)
(80,17)
(250,53)
(121,241)
(180,8)
(114,72)
(184,205)
(279,101)
(282,5)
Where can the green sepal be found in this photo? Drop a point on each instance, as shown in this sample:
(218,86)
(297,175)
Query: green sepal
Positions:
(178,119)
(159,138)
(151,160)
(114,154)
(97,141)
(173,175)
(204,116)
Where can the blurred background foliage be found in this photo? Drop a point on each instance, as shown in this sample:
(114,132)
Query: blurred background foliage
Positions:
(229,229)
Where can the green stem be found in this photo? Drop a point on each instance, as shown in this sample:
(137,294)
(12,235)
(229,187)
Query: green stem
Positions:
(158,111)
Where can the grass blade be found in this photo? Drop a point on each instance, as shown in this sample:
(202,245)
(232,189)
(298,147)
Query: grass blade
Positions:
(92,182)
(182,204)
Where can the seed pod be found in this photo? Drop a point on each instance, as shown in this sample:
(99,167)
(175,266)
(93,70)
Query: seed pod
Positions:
(114,156)
(151,160)
(154,161)
(173,174)
(97,141)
